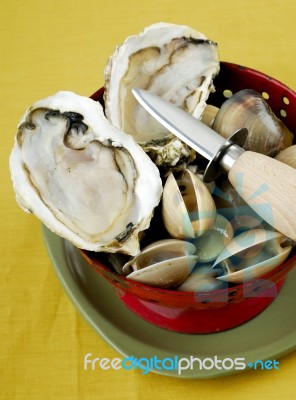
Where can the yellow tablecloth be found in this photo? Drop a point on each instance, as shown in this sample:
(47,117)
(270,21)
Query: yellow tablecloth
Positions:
(47,46)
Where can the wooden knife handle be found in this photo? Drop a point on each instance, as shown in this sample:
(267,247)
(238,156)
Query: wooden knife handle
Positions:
(269,187)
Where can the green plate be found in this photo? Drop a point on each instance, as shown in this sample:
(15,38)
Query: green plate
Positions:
(269,336)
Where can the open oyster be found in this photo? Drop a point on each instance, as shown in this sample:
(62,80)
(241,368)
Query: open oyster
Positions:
(172,61)
(85,179)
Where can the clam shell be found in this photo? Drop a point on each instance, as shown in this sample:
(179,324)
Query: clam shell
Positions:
(288,156)
(198,171)
(210,185)
(165,247)
(231,205)
(165,263)
(188,208)
(209,115)
(165,274)
(212,242)
(202,279)
(252,254)
(267,134)
(258,269)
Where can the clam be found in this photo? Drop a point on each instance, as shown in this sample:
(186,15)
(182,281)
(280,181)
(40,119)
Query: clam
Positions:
(267,134)
(231,205)
(164,263)
(209,185)
(288,156)
(209,115)
(188,208)
(198,171)
(202,279)
(212,242)
(252,254)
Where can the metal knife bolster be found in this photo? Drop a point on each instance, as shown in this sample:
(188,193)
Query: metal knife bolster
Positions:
(226,156)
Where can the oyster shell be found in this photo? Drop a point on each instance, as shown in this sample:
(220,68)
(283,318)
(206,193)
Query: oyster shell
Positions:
(172,61)
(85,179)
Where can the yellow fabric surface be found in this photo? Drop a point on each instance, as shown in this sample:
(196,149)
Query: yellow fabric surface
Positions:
(47,46)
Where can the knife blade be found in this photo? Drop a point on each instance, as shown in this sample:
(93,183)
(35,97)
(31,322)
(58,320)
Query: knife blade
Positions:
(267,185)
(194,133)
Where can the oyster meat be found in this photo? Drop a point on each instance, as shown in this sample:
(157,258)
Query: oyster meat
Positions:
(85,179)
(173,61)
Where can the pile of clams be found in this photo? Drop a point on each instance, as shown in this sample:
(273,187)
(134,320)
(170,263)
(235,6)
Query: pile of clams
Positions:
(113,180)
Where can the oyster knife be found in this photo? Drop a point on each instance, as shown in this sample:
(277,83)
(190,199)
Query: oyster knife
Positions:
(267,185)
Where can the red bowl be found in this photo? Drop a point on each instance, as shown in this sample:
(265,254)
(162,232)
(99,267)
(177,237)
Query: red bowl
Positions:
(218,310)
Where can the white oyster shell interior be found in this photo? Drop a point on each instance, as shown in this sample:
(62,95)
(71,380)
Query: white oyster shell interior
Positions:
(172,61)
(86,180)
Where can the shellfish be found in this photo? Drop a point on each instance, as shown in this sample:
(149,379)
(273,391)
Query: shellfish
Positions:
(188,208)
(165,263)
(85,179)
(173,61)
(247,108)
(232,206)
(288,156)
(212,242)
(252,254)
(202,279)
(209,114)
